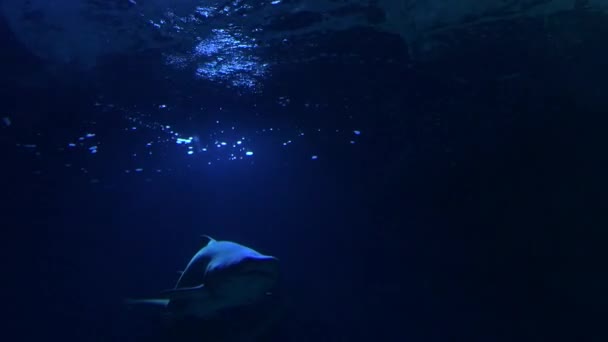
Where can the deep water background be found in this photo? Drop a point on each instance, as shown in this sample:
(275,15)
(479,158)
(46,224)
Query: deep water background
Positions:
(473,208)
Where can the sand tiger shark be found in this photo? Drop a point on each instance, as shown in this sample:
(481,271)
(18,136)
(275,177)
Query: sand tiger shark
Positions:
(221,275)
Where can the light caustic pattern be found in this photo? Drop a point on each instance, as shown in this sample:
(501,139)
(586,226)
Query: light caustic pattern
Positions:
(225,56)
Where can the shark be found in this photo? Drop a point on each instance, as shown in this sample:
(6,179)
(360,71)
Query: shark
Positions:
(222,275)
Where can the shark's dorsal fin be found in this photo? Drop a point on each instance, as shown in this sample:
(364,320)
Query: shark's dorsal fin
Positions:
(207,240)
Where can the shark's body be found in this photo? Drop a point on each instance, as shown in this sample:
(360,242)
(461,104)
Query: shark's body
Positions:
(221,275)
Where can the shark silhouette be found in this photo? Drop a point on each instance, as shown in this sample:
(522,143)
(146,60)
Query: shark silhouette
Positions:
(221,275)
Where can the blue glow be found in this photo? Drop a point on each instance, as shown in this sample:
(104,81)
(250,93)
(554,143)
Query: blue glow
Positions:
(248,153)
(357,132)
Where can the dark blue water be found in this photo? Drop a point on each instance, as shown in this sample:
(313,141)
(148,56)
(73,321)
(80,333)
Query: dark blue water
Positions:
(469,205)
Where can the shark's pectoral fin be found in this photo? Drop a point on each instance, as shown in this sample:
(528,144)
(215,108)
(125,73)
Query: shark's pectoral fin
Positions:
(153,306)
(149,302)
(185,292)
